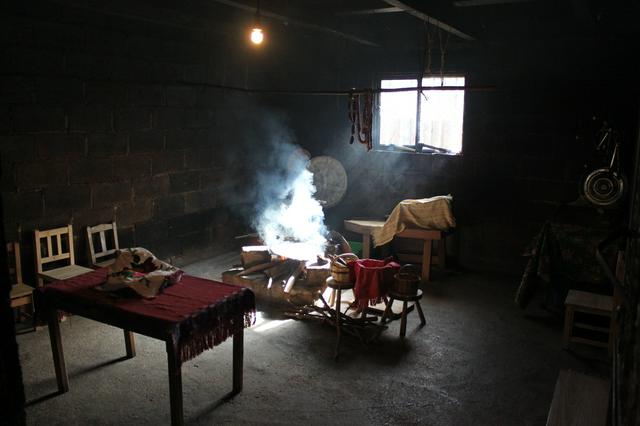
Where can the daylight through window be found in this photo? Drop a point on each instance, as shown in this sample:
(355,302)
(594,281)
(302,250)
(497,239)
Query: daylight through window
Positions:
(437,113)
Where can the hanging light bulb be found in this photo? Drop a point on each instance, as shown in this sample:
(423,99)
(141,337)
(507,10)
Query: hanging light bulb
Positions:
(257,35)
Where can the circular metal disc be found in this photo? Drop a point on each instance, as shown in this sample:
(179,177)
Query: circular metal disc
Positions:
(329,178)
(603,188)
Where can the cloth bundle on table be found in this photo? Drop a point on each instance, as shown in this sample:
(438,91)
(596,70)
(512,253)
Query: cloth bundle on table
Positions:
(428,213)
(138,269)
(372,279)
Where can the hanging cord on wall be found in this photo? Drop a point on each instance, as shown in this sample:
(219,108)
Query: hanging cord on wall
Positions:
(426,57)
(425,66)
(443,52)
(361,117)
(352,111)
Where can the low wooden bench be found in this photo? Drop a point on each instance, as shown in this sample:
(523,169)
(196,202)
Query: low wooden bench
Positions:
(366,227)
(591,304)
(579,399)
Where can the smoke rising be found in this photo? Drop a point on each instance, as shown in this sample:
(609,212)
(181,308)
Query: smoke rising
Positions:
(292,225)
(278,196)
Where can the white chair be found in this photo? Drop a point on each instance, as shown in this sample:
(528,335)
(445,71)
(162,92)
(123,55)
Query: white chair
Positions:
(104,233)
(56,246)
(21,293)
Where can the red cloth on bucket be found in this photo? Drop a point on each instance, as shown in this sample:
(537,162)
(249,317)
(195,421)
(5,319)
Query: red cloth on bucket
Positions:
(372,279)
(197,313)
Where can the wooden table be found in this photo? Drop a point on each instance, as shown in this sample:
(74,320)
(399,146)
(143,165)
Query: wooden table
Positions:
(366,227)
(77,296)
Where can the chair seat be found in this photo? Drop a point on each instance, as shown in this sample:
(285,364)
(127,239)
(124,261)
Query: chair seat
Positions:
(64,272)
(332,283)
(591,301)
(104,263)
(20,290)
(406,297)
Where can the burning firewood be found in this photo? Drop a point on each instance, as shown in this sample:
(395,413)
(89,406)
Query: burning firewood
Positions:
(282,268)
(293,277)
(255,255)
(258,268)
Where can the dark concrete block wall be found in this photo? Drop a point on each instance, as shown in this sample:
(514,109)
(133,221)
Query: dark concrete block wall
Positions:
(106,118)
(107,114)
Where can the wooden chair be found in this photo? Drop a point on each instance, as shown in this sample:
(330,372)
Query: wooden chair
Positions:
(593,305)
(56,245)
(105,256)
(21,294)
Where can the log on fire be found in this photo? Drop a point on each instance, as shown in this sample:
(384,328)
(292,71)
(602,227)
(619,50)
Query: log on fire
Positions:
(254,255)
(259,268)
(283,269)
(291,281)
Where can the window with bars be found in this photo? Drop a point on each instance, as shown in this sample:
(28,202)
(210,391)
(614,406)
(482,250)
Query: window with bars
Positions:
(424,120)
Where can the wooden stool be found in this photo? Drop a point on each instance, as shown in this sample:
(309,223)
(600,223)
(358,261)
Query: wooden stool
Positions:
(337,287)
(405,298)
(592,304)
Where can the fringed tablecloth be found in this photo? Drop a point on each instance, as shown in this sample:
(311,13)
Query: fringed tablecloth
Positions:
(196,313)
(564,257)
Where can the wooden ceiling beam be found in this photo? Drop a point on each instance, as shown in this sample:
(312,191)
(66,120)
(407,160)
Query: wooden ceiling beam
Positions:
(379,10)
(297,22)
(429,19)
(473,3)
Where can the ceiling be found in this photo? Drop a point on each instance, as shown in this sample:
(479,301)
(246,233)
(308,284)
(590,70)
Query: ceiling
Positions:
(379,22)
(391,24)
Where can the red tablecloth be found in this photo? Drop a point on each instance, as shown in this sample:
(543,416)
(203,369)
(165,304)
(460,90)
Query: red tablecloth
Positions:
(196,313)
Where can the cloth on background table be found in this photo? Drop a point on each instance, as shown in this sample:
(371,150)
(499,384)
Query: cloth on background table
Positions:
(198,313)
(564,256)
(373,279)
(138,269)
(428,213)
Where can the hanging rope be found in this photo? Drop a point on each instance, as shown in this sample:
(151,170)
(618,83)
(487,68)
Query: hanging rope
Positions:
(361,117)
(427,49)
(443,52)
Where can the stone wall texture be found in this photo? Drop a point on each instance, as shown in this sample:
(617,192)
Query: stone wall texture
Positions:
(105,118)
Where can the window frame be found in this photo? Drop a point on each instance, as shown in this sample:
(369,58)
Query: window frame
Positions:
(406,76)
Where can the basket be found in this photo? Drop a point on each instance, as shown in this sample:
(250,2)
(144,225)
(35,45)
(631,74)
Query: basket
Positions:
(406,281)
(340,272)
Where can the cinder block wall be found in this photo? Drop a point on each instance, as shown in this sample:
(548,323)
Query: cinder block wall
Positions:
(105,117)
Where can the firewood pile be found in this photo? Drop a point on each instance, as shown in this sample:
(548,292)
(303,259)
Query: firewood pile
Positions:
(277,277)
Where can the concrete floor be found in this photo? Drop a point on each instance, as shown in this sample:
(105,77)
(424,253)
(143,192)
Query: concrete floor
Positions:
(478,361)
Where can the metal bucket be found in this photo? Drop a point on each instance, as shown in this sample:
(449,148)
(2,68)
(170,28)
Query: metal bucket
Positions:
(406,281)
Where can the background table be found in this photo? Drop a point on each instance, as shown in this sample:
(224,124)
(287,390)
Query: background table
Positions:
(366,227)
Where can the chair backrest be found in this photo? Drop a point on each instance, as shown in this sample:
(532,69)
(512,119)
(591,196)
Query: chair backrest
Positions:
(54,245)
(101,232)
(15,266)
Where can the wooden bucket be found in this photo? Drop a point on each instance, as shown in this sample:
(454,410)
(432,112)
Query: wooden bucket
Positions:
(406,281)
(339,271)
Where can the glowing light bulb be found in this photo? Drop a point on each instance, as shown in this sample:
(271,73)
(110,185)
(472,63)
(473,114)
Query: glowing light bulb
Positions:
(257,36)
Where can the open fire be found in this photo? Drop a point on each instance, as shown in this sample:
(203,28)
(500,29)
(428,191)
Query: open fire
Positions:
(292,225)
(291,260)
